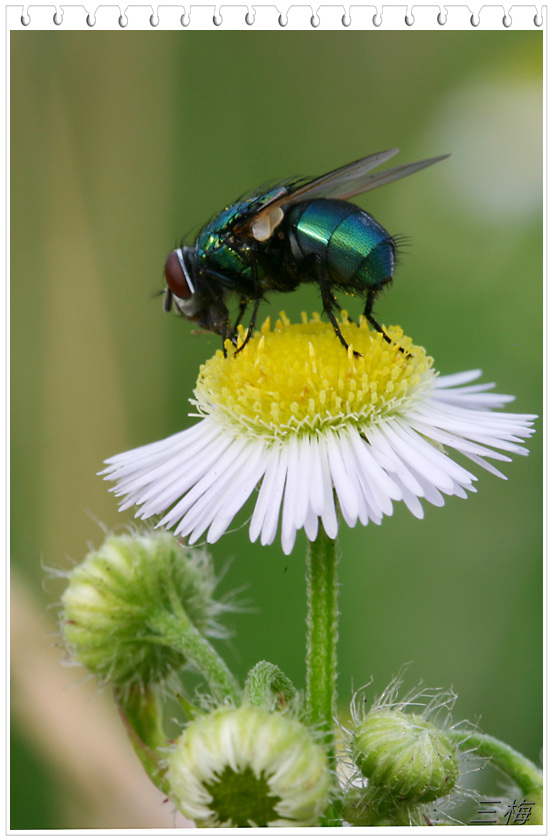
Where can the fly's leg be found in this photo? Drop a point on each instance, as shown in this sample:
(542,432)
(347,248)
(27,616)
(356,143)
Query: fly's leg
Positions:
(330,303)
(242,309)
(251,326)
(256,300)
(215,318)
(227,333)
(222,323)
(374,323)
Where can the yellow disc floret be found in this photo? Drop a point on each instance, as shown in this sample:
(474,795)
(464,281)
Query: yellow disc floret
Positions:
(298,377)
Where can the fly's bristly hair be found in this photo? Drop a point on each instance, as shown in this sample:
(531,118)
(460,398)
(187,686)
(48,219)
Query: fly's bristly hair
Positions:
(402,244)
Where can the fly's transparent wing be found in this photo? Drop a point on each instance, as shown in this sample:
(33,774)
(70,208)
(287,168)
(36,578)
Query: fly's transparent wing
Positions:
(378,179)
(344,183)
(350,178)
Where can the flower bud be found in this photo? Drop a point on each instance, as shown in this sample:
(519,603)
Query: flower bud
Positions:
(114,598)
(249,767)
(405,755)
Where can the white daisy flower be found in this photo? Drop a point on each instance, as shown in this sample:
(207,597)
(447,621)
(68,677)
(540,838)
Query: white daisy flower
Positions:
(317,429)
(248,767)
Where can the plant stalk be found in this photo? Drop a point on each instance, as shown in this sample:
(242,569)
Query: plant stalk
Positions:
(322,637)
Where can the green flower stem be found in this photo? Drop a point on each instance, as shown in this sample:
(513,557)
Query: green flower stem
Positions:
(322,636)
(141,714)
(177,631)
(519,768)
(140,708)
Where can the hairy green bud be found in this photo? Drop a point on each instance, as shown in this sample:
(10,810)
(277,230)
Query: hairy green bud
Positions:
(118,599)
(405,755)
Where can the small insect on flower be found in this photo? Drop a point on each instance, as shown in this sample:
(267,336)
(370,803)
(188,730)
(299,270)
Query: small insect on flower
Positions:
(298,231)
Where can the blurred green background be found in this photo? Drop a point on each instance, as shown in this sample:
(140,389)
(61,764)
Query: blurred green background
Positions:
(121,142)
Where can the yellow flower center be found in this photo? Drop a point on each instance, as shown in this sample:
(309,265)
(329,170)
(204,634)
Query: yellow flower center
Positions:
(299,378)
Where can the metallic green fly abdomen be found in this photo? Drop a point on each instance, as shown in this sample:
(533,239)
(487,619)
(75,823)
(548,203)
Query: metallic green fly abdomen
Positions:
(274,239)
(346,238)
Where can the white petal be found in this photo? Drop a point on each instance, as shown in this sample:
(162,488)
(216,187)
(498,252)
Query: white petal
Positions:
(182,476)
(139,458)
(288,540)
(457,378)
(305,477)
(315,476)
(471,398)
(266,497)
(443,462)
(311,525)
(328,516)
(365,502)
(489,467)
(292,495)
(431,492)
(373,477)
(133,480)
(374,470)
(402,475)
(419,455)
(224,499)
(412,502)
(229,462)
(270,524)
(347,497)
(369,509)
(456,442)
(484,427)
(239,493)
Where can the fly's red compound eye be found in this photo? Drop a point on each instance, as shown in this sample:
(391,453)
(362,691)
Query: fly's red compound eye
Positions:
(176,275)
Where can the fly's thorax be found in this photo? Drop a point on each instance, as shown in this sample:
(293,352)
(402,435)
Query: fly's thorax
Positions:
(221,231)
